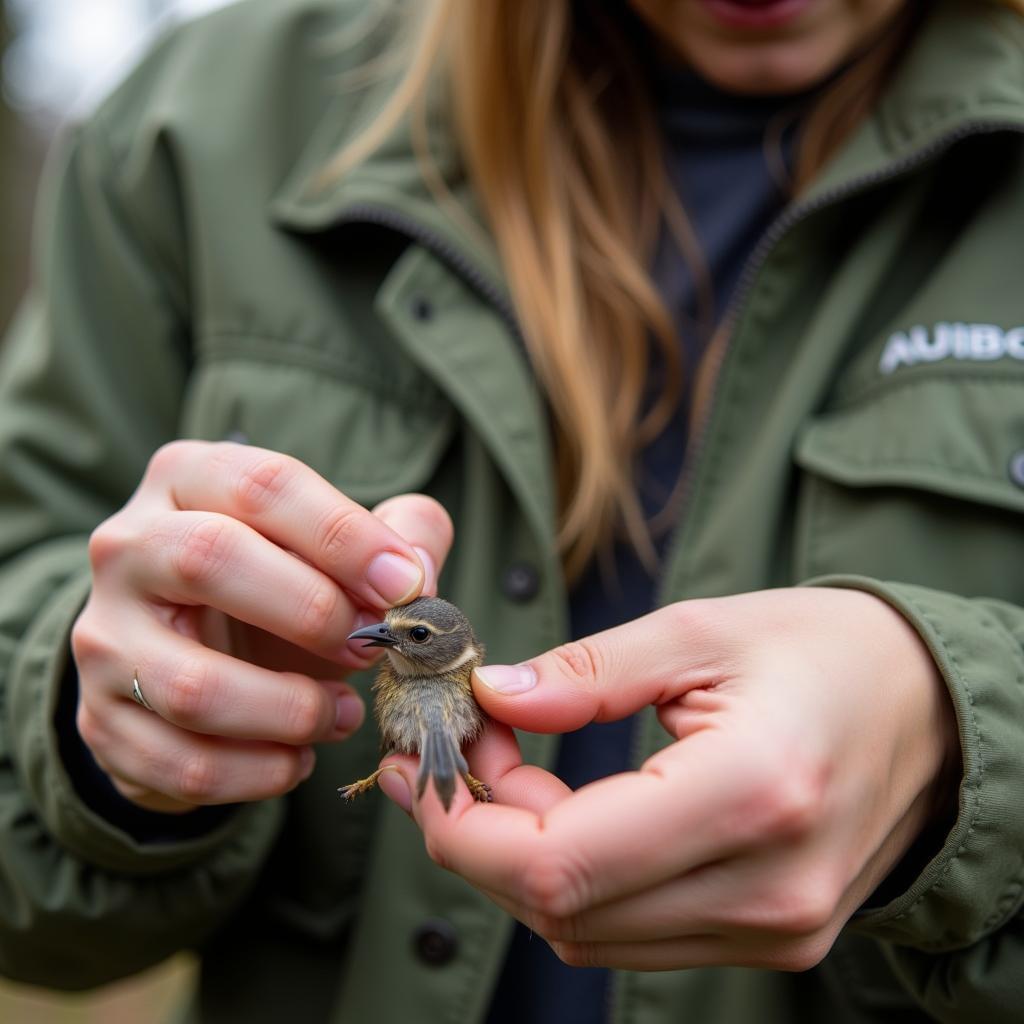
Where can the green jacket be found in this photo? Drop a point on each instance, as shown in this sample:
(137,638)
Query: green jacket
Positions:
(867,426)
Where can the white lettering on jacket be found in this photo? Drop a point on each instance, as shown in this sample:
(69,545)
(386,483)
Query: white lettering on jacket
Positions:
(974,342)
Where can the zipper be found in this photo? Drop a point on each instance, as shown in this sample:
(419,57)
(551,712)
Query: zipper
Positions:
(446,251)
(785,222)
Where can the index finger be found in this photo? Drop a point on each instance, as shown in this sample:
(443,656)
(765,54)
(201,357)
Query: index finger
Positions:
(292,505)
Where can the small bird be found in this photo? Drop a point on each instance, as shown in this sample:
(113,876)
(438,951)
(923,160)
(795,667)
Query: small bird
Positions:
(424,700)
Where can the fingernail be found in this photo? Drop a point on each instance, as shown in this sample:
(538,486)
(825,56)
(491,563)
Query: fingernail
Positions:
(350,713)
(508,678)
(307,761)
(429,570)
(394,578)
(392,782)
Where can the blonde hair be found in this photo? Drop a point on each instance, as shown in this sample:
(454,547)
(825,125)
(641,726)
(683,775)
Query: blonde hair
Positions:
(558,136)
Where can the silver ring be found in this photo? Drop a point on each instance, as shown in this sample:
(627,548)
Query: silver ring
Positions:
(138,696)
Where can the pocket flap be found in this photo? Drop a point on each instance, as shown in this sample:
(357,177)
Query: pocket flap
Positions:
(368,443)
(962,437)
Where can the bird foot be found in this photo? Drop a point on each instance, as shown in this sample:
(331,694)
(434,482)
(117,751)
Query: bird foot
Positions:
(479,790)
(350,792)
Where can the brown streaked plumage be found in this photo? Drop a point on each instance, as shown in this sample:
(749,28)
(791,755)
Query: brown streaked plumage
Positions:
(424,700)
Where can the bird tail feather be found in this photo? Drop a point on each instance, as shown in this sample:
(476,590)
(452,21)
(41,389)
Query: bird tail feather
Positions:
(440,759)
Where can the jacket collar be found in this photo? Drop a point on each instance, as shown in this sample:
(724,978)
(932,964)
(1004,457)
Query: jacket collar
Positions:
(964,74)
(473,363)
(388,188)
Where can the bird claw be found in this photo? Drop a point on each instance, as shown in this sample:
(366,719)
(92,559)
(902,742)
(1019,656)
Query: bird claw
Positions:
(480,791)
(350,792)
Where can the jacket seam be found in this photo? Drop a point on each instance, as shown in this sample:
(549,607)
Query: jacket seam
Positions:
(973,784)
(1009,901)
(297,353)
(807,539)
(883,388)
(163,289)
(881,460)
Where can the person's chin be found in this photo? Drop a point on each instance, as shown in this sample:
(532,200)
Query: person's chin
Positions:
(764,70)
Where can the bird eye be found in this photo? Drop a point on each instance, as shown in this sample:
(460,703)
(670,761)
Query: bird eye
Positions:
(419,633)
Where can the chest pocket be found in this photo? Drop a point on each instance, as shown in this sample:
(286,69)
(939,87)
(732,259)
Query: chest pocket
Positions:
(921,483)
(367,438)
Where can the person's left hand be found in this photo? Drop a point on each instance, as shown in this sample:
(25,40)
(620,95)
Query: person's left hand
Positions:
(815,740)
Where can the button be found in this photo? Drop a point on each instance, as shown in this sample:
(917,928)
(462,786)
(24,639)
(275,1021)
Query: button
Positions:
(1017,468)
(422,309)
(521,582)
(435,942)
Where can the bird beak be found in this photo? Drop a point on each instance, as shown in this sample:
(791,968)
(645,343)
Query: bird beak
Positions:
(377,635)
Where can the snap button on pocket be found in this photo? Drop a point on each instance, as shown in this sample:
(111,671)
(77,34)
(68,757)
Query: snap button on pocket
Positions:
(422,309)
(435,942)
(1017,468)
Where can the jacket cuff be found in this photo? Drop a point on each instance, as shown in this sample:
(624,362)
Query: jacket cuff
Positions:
(973,885)
(37,674)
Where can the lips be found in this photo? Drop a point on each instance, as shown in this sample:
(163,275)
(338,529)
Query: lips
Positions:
(756,14)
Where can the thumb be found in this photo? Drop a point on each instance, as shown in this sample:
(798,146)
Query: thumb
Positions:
(600,678)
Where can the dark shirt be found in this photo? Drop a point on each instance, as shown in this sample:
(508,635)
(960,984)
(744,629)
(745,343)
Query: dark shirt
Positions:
(722,166)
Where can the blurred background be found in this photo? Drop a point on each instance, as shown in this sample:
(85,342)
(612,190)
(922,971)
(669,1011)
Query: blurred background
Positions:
(57,59)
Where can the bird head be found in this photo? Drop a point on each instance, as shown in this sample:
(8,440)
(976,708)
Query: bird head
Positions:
(428,636)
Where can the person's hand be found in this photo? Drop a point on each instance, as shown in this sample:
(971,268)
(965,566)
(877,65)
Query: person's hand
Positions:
(813,733)
(227,587)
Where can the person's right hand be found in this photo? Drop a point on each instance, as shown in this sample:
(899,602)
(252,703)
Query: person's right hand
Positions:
(228,585)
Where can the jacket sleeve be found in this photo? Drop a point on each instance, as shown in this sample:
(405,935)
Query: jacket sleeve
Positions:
(91,379)
(955,937)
